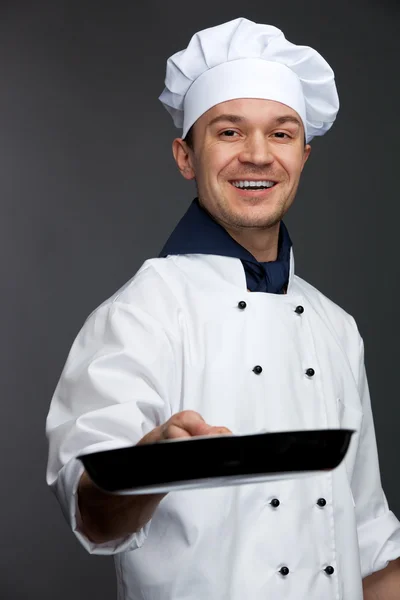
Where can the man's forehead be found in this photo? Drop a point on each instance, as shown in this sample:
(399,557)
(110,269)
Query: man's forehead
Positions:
(250,109)
(247,106)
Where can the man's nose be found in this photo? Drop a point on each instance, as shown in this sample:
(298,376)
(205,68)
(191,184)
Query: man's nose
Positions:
(256,150)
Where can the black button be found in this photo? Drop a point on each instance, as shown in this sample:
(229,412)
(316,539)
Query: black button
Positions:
(321,502)
(257,369)
(285,571)
(242,304)
(299,310)
(310,372)
(275,502)
(329,570)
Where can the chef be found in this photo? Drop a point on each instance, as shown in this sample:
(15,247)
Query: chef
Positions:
(218,334)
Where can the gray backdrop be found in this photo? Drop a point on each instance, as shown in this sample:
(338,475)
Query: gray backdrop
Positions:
(89,190)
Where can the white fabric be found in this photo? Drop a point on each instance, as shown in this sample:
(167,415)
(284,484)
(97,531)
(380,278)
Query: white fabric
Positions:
(235,60)
(245,78)
(173,338)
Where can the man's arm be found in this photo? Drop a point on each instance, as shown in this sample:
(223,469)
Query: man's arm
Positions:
(106,517)
(384,584)
(378,529)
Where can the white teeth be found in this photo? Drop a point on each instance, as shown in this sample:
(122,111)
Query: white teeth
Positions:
(250,184)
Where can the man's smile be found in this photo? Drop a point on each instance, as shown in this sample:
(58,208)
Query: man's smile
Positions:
(254,188)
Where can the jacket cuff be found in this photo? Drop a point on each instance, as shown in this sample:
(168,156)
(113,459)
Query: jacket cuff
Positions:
(379,542)
(66,490)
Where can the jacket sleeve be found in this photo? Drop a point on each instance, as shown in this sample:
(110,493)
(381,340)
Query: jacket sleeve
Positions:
(117,384)
(378,528)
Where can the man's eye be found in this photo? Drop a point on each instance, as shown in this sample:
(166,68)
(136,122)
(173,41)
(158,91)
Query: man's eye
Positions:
(281,134)
(228,132)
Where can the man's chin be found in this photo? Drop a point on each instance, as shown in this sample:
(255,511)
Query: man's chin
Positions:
(258,219)
(238,212)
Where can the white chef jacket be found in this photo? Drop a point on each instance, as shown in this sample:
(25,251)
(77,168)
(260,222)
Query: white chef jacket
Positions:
(175,338)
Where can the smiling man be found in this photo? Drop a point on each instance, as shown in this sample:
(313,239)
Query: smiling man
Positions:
(246,156)
(218,335)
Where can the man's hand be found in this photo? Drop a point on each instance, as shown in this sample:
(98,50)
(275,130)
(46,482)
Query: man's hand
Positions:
(107,517)
(185,424)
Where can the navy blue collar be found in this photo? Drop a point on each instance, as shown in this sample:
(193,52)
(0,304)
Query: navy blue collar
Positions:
(198,233)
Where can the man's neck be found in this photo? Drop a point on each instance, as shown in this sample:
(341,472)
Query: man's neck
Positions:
(262,244)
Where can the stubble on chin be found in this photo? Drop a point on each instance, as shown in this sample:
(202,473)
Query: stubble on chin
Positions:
(249,221)
(262,217)
(231,213)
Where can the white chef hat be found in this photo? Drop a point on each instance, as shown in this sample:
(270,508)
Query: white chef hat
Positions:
(242,59)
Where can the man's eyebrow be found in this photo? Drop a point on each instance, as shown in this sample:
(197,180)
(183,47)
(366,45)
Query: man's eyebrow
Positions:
(237,119)
(288,119)
(227,117)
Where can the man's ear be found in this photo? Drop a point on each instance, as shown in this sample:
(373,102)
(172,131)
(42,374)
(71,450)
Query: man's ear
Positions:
(183,158)
(307,152)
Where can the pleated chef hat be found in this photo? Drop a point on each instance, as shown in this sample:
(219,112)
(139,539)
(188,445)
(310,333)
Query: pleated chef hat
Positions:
(242,59)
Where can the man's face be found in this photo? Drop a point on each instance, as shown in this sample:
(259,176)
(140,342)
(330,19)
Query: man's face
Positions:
(245,140)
